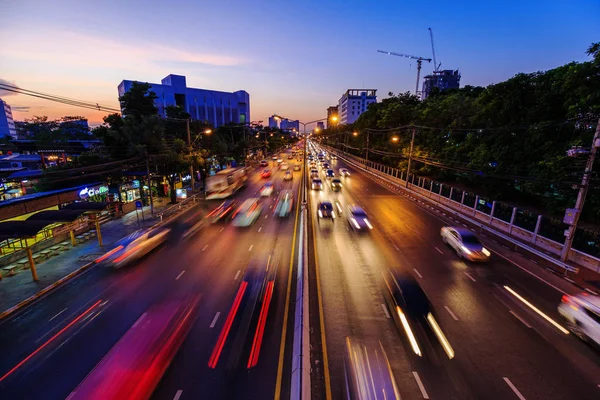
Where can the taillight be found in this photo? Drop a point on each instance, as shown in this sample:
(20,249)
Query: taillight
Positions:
(569,301)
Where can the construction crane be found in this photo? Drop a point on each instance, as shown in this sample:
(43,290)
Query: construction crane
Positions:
(436,66)
(419,61)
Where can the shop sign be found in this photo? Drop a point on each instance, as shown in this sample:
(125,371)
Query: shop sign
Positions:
(181,193)
(88,192)
(135,183)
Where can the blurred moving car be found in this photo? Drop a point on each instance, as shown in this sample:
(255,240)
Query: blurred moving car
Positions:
(297,167)
(465,243)
(368,372)
(284,204)
(291,157)
(357,218)
(279,160)
(247,213)
(316,184)
(134,247)
(329,174)
(344,172)
(284,166)
(267,189)
(336,184)
(135,365)
(409,307)
(223,211)
(264,163)
(287,176)
(314,173)
(582,314)
(266,173)
(325,211)
(333,157)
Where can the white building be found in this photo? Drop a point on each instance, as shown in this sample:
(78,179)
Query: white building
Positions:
(217,108)
(7,124)
(355,102)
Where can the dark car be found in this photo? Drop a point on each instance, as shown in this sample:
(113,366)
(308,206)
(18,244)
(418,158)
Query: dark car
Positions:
(325,211)
(264,163)
(223,212)
(329,174)
(413,313)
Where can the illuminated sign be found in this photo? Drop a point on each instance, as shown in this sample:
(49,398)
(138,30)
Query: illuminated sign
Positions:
(88,192)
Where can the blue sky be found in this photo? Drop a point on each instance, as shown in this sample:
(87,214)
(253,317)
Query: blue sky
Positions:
(295,58)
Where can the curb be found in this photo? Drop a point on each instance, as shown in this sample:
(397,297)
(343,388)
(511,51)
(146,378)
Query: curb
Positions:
(44,291)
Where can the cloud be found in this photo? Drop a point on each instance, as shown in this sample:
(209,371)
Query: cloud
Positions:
(6,93)
(23,109)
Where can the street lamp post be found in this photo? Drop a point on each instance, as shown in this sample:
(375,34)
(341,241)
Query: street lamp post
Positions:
(412,144)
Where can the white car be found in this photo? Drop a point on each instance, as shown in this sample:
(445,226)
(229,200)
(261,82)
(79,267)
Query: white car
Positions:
(465,243)
(284,166)
(317,184)
(267,189)
(344,172)
(582,314)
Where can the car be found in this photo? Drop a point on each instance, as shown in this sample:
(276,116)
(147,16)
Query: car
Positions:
(314,173)
(223,211)
(333,157)
(264,163)
(266,173)
(465,243)
(409,306)
(284,166)
(297,167)
(316,184)
(336,184)
(582,315)
(326,165)
(247,213)
(279,161)
(284,204)
(134,247)
(274,158)
(290,157)
(329,174)
(344,172)
(287,176)
(325,211)
(357,218)
(267,189)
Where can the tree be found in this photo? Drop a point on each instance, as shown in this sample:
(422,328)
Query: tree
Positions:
(138,101)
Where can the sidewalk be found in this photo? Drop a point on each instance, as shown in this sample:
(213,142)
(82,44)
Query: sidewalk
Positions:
(15,289)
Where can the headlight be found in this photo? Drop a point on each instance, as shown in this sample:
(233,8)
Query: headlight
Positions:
(463,248)
(356,225)
(320,214)
(368,224)
(486,252)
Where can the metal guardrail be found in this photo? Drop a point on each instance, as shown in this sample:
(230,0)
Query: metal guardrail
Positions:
(175,208)
(516,243)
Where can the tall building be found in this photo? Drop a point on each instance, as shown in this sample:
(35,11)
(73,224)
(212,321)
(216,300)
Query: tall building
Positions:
(7,124)
(273,122)
(217,108)
(332,112)
(446,79)
(288,125)
(320,126)
(355,102)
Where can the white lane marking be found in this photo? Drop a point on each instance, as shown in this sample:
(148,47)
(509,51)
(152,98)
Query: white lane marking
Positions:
(205,247)
(451,313)
(221,229)
(420,384)
(567,278)
(470,277)
(214,321)
(439,251)
(396,247)
(418,273)
(179,276)
(139,319)
(537,310)
(237,275)
(465,225)
(266,216)
(387,314)
(260,229)
(530,273)
(178,394)
(514,389)
(251,246)
(519,318)
(60,312)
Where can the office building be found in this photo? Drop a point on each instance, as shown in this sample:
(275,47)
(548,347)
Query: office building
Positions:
(273,122)
(215,107)
(75,127)
(7,124)
(353,103)
(446,79)
(289,125)
(332,112)
(320,126)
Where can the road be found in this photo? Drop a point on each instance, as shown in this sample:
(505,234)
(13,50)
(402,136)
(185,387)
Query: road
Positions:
(503,348)
(50,346)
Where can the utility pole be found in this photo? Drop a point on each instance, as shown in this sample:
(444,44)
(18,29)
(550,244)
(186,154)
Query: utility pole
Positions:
(149,186)
(412,144)
(367,155)
(189,137)
(583,189)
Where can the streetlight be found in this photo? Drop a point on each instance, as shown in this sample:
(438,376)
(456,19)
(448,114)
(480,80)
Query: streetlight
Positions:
(354,133)
(395,139)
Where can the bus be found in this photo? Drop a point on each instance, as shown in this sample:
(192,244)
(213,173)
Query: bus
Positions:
(225,183)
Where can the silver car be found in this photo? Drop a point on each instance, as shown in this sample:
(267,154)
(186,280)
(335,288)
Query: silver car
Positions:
(465,243)
(582,314)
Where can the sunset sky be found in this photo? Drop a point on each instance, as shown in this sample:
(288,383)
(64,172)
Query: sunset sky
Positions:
(295,58)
